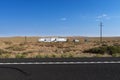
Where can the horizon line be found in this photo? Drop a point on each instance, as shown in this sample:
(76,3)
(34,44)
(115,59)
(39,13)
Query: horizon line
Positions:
(53,36)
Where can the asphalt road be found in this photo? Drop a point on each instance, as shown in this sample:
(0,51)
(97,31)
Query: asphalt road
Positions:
(60,69)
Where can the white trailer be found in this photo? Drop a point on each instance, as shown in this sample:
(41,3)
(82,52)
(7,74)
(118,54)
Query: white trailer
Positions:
(61,39)
(76,40)
(52,39)
(41,40)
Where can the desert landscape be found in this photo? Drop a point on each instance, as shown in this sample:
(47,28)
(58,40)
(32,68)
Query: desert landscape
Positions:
(29,47)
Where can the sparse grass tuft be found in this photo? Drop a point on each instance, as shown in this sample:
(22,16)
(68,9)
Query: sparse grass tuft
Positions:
(116,55)
(67,55)
(53,56)
(20,55)
(16,48)
(7,55)
(38,56)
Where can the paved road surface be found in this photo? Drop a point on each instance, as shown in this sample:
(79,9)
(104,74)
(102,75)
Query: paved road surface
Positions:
(60,69)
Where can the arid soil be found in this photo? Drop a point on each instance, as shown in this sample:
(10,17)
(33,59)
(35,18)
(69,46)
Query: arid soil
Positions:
(29,47)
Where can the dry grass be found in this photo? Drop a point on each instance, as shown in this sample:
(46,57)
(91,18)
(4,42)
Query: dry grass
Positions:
(18,47)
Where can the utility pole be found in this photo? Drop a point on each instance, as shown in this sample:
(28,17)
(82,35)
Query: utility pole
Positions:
(101,25)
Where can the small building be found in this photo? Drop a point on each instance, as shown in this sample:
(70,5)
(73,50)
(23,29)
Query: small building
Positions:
(53,39)
(61,39)
(76,40)
(41,40)
(48,39)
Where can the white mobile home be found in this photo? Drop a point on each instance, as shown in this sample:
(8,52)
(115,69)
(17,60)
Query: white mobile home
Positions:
(44,40)
(76,40)
(41,40)
(52,39)
(61,39)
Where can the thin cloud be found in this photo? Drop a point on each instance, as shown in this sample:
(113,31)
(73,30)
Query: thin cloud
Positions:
(103,16)
(63,19)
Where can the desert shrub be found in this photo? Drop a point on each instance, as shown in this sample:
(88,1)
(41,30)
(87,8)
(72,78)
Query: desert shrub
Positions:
(27,52)
(7,55)
(39,56)
(104,49)
(53,56)
(70,55)
(40,51)
(20,55)
(8,42)
(63,56)
(113,49)
(21,44)
(46,56)
(59,46)
(16,48)
(98,55)
(97,50)
(49,45)
(66,50)
(116,55)
(58,51)
(42,56)
(3,51)
(104,44)
(67,55)
(116,44)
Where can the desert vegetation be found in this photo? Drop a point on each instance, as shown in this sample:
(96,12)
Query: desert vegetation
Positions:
(110,50)
(20,47)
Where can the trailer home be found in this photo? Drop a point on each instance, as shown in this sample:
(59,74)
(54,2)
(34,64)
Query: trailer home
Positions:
(52,39)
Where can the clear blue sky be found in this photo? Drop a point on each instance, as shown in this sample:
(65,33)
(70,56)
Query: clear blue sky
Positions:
(59,17)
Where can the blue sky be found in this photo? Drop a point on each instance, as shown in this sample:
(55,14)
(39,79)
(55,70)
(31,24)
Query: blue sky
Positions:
(59,17)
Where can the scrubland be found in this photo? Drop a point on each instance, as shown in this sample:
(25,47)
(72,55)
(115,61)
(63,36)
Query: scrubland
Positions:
(29,47)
